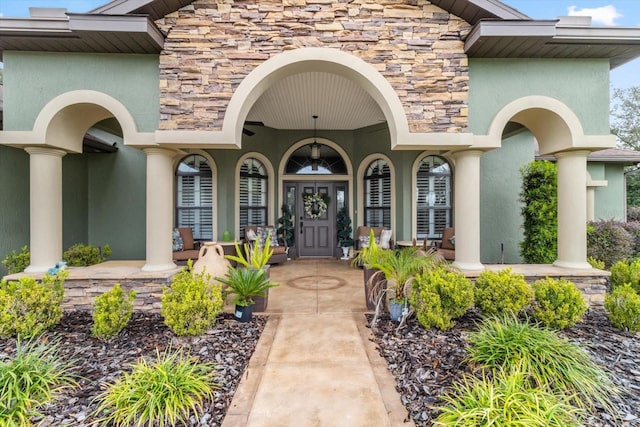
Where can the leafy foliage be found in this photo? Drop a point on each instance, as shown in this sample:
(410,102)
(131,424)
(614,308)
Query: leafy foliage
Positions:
(549,362)
(254,255)
(626,272)
(502,292)
(633,228)
(111,312)
(539,196)
(17,262)
(28,308)
(608,241)
(369,255)
(81,255)
(344,229)
(633,212)
(285,226)
(31,379)
(438,296)
(625,123)
(558,303)
(505,400)
(191,305)
(633,190)
(246,283)
(623,308)
(163,393)
(595,263)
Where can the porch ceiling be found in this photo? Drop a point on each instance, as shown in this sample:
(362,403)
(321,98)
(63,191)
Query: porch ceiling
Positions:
(338,102)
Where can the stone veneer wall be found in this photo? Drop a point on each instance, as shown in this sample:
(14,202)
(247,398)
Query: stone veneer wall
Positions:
(80,293)
(211,46)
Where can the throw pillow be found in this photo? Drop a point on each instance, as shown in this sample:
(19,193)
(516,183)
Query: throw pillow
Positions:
(385,239)
(453,240)
(251,235)
(177,245)
(274,236)
(364,241)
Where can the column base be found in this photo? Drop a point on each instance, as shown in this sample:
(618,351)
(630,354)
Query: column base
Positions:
(38,268)
(469,266)
(572,264)
(159,267)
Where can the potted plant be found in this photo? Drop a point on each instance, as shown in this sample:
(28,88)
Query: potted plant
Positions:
(345,231)
(399,268)
(366,257)
(285,227)
(256,257)
(244,284)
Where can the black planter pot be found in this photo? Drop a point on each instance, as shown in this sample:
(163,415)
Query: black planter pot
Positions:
(243,313)
(260,303)
(369,285)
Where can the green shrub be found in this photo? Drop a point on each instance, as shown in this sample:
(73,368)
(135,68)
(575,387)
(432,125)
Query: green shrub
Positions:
(539,196)
(497,293)
(28,308)
(596,263)
(191,305)
(550,362)
(111,312)
(17,262)
(609,242)
(633,228)
(162,393)
(623,308)
(633,213)
(81,255)
(626,272)
(31,379)
(506,400)
(558,303)
(438,296)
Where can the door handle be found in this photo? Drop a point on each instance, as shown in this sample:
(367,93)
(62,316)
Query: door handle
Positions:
(301,225)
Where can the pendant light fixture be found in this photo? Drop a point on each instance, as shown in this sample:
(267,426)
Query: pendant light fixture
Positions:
(315,147)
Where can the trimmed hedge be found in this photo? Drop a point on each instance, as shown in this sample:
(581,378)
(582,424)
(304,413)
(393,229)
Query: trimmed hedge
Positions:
(609,241)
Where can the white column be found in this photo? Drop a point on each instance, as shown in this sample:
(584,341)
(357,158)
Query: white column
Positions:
(467,209)
(591,203)
(45,208)
(572,209)
(159,209)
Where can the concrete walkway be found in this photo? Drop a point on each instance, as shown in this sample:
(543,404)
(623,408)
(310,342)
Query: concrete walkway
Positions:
(314,364)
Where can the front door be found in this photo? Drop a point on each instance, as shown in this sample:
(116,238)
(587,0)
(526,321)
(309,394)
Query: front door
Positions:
(315,225)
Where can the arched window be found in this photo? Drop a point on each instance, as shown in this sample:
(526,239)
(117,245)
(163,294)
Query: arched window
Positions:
(434,196)
(377,194)
(194,196)
(324,160)
(253,194)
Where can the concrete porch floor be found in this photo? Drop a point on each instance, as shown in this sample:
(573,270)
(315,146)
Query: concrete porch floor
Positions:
(314,364)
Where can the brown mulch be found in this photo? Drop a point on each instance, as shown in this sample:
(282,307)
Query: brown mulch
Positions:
(229,344)
(426,363)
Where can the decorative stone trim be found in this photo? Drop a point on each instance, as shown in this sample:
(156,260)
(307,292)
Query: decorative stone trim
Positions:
(211,47)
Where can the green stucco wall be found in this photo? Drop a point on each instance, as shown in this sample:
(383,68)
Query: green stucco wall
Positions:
(609,200)
(32,79)
(14,208)
(500,182)
(117,202)
(583,85)
(74,199)
(357,144)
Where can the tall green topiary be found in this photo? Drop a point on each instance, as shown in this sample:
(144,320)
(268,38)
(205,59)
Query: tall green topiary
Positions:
(539,196)
(344,229)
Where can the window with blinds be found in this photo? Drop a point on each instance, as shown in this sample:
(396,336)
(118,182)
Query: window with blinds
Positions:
(194,196)
(434,196)
(377,194)
(253,194)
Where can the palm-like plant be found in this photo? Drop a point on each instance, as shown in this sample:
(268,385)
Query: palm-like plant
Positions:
(245,283)
(253,256)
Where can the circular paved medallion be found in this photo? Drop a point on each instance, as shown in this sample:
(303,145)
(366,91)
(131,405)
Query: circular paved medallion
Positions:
(320,283)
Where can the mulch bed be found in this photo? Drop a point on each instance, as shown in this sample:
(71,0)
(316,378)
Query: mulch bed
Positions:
(425,363)
(229,344)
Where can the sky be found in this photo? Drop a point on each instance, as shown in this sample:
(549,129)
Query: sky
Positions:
(625,13)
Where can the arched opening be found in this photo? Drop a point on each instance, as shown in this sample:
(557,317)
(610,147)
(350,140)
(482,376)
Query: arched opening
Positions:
(434,197)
